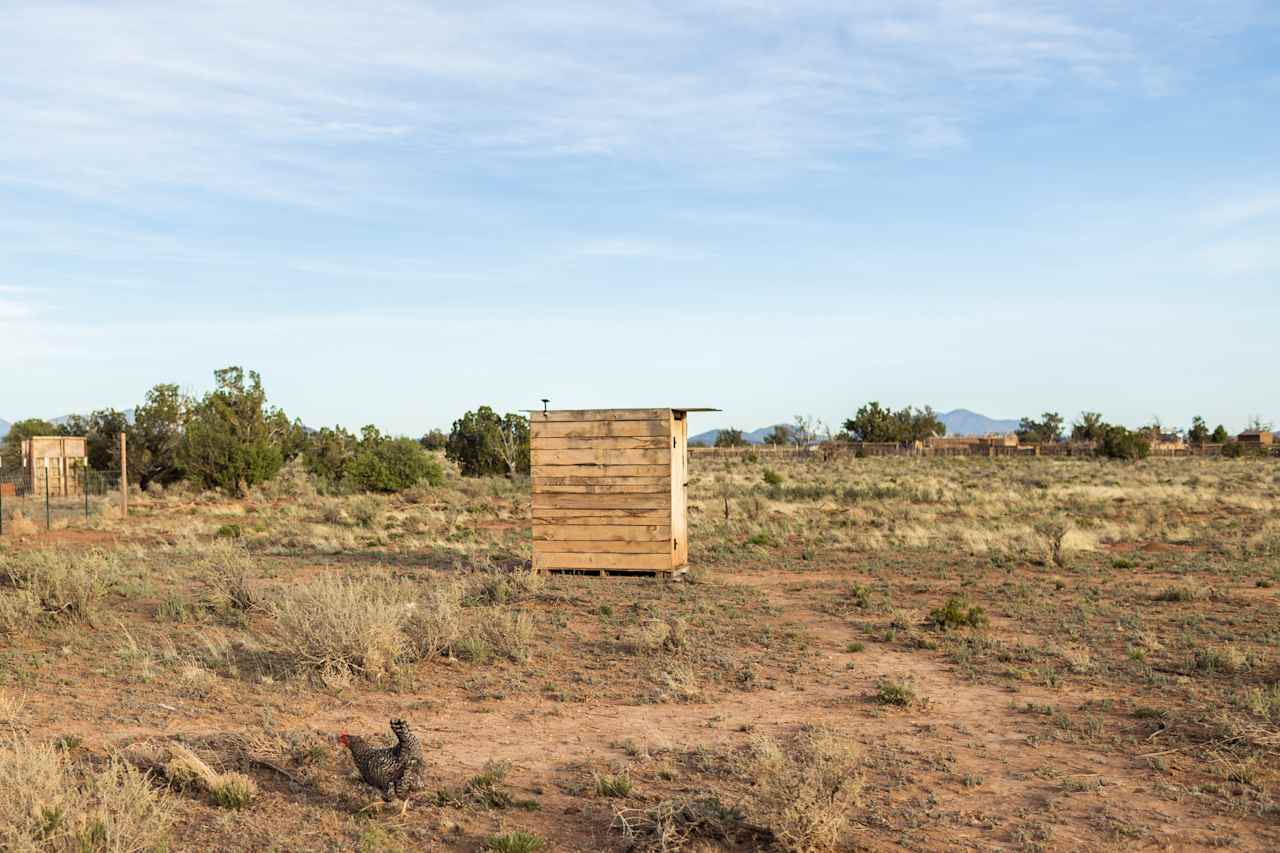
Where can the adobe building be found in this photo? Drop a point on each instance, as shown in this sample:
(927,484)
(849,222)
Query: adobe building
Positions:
(1254,438)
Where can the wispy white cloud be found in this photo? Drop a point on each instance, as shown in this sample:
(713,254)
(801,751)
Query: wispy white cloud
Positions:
(1242,211)
(930,134)
(626,248)
(1242,257)
(134,104)
(13,305)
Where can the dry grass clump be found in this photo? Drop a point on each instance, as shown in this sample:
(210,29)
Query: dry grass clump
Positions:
(890,691)
(1227,660)
(434,623)
(507,631)
(1264,702)
(670,634)
(49,802)
(497,587)
(487,790)
(615,785)
(19,525)
(1192,591)
(1078,659)
(676,682)
(228,565)
(672,825)
(19,611)
(187,770)
(57,583)
(340,627)
(805,787)
(366,511)
(294,481)
(12,708)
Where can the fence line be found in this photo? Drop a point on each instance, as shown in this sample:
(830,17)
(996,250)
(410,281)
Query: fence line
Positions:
(26,501)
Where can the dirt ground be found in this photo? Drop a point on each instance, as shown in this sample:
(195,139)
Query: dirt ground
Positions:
(1120,698)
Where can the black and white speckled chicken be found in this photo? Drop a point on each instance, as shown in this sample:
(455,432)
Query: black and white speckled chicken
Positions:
(395,771)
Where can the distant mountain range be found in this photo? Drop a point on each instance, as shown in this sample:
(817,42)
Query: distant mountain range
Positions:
(756,436)
(957,422)
(4,428)
(965,422)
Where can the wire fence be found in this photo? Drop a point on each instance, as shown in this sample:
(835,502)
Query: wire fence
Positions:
(48,503)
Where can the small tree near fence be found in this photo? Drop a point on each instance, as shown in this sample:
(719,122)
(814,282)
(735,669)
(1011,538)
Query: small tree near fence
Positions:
(1090,427)
(805,430)
(779,437)
(731,437)
(874,423)
(1047,430)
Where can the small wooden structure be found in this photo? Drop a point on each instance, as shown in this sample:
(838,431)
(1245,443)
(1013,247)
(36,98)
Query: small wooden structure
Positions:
(610,490)
(1256,438)
(55,461)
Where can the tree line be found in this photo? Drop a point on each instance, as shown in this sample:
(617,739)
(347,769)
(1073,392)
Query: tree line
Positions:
(1120,442)
(875,423)
(232,439)
(871,423)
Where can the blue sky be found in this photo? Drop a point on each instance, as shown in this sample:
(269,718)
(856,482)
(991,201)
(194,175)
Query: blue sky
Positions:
(398,211)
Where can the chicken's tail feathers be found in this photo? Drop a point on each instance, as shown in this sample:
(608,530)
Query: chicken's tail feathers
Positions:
(401,730)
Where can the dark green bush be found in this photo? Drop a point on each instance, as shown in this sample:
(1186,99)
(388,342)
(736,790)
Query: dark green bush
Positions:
(486,443)
(1121,443)
(372,463)
(384,464)
(957,613)
(327,454)
(731,437)
(434,440)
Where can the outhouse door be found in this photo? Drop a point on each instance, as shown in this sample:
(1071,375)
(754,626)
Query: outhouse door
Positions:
(679,489)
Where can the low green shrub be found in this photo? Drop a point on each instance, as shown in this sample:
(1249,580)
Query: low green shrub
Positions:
(957,613)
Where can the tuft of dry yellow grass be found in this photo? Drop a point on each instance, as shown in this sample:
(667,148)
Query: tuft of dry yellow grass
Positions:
(804,787)
(230,790)
(48,801)
(340,627)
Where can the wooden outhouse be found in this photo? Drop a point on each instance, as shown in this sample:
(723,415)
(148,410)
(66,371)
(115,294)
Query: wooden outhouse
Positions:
(610,490)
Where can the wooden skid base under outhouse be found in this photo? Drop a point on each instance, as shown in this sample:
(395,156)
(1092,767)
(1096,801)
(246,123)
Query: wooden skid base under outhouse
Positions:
(674,574)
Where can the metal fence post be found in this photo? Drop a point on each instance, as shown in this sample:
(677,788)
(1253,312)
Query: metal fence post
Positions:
(48,517)
(84,487)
